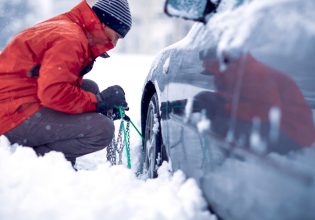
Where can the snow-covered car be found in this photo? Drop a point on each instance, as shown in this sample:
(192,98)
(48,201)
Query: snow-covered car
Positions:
(232,105)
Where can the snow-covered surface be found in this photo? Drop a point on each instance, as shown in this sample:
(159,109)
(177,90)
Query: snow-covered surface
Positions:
(48,188)
(204,124)
(156,125)
(166,66)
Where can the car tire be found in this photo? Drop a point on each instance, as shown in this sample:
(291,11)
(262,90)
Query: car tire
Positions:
(153,153)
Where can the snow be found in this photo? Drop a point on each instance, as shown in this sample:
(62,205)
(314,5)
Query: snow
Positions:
(274,118)
(166,66)
(156,124)
(256,142)
(47,187)
(204,124)
(188,109)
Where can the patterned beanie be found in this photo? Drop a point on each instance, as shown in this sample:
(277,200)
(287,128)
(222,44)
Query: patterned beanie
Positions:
(115,14)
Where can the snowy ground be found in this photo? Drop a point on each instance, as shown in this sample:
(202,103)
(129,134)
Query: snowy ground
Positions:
(48,188)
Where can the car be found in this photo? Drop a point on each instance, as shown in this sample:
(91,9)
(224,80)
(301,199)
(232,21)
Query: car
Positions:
(232,105)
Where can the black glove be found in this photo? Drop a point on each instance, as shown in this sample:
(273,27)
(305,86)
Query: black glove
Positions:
(110,99)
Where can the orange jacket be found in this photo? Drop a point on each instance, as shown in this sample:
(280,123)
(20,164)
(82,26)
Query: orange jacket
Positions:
(41,66)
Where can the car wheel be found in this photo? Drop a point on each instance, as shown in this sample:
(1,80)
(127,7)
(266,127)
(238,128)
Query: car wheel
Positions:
(153,149)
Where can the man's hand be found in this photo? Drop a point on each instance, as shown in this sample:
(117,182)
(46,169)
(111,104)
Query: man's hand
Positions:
(116,114)
(110,99)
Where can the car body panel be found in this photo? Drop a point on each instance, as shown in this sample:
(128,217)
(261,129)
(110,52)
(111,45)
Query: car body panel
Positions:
(237,109)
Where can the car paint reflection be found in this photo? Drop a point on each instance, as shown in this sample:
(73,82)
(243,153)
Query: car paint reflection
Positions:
(243,101)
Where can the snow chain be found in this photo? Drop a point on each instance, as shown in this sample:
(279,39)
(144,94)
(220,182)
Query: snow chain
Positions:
(123,140)
(117,146)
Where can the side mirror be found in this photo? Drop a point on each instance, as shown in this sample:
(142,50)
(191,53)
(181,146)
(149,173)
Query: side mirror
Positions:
(190,10)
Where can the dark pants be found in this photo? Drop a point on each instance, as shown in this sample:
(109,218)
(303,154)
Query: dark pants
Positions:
(72,134)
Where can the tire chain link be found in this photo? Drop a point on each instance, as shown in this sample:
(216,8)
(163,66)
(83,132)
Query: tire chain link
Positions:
(117,146)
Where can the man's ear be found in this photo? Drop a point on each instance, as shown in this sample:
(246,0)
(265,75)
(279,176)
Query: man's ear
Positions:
(91,3)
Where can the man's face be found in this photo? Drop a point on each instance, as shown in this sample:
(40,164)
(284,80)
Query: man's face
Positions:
(112,35)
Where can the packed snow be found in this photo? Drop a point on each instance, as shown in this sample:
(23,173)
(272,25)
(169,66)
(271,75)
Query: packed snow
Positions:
(47,187)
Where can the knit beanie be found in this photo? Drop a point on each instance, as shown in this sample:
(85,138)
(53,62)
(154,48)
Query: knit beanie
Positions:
(115,14)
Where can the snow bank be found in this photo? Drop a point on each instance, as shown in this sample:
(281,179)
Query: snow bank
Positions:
(48,188)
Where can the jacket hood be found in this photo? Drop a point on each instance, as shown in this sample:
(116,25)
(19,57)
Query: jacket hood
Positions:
(84,16)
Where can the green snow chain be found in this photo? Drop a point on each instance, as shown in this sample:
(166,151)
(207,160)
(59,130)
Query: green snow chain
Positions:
(119,144)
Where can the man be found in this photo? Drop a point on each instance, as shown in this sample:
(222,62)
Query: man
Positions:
(44,102)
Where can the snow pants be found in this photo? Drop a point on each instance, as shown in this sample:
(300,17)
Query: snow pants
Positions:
(72,134)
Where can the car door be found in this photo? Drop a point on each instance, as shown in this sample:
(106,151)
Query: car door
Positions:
(241,115)
(269,123)
(267,86)
(189,88)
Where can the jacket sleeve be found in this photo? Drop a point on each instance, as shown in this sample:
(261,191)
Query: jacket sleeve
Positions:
(59,79)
